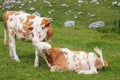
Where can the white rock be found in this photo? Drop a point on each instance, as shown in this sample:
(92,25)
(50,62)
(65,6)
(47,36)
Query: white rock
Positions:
(51,11)
(18,2)
(22,11)
(94,1)
(118,4)
(32,8)
(80,1)
(47,2)
(69,23)
(64,5)
(29,2)
(114,3)
(34,0)
(80,12)
(36,13)
(96,24)
(9,1)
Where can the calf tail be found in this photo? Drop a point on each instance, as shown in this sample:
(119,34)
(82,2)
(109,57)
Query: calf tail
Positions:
(5,29)
(99,51)
(5,37)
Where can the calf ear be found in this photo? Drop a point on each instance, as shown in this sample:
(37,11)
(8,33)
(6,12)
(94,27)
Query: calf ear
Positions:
(45,23)
(106,63)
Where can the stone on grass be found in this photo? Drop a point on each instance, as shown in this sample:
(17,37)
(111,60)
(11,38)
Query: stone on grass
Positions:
(69,23)
(96,24)
(36,13)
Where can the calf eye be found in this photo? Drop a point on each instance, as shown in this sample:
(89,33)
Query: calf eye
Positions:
(39,36)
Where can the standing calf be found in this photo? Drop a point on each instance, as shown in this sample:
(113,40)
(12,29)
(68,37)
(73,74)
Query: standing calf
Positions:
(64,59)
(25,27)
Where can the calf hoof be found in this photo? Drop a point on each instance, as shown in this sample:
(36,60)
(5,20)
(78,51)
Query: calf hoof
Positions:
(36,65)
(17,60)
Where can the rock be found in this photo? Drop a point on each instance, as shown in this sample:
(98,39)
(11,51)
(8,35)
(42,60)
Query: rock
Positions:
(80,1)
(51,11)
(32,9)
(96,24)
(69,23)
(36,13)
(115,3)
(64,5)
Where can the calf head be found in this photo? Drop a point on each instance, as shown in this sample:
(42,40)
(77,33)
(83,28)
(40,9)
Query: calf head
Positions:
(99,65)
(40,46)
(43,32)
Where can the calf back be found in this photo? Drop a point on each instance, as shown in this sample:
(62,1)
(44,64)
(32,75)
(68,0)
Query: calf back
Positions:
(26,26)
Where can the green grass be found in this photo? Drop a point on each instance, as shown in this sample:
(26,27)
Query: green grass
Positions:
(75,38)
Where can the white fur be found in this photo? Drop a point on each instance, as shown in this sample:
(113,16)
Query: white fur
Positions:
(39,47)
(15,25)
(79,64)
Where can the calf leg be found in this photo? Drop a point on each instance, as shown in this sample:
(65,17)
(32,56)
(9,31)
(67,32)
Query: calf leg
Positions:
(92,71)
(55,68)
(58,68)
(12,48)
(36,62)
(5,37)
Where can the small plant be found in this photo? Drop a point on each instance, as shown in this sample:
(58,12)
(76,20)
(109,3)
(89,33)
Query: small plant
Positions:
(112,28)
(116,27)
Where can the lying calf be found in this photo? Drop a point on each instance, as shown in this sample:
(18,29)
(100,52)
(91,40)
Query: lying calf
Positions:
(64,59)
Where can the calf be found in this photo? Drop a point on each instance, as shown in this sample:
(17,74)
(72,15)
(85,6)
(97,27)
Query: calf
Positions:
(64,59)
(25,27)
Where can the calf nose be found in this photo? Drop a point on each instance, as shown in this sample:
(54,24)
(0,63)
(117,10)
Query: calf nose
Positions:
(34,42)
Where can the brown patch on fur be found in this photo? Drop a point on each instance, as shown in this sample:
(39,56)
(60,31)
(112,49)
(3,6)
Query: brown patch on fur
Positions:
(56,58)
(28,23)
(10,19)
(45,22)
(27,26)
(98,64)
(74,57)
(6,17)
(20,31)
(21,20)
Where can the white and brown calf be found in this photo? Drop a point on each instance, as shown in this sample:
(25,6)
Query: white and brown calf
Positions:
(25,27)
(64,59)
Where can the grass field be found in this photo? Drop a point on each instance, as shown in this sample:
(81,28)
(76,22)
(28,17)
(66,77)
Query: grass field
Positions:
(78,37)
